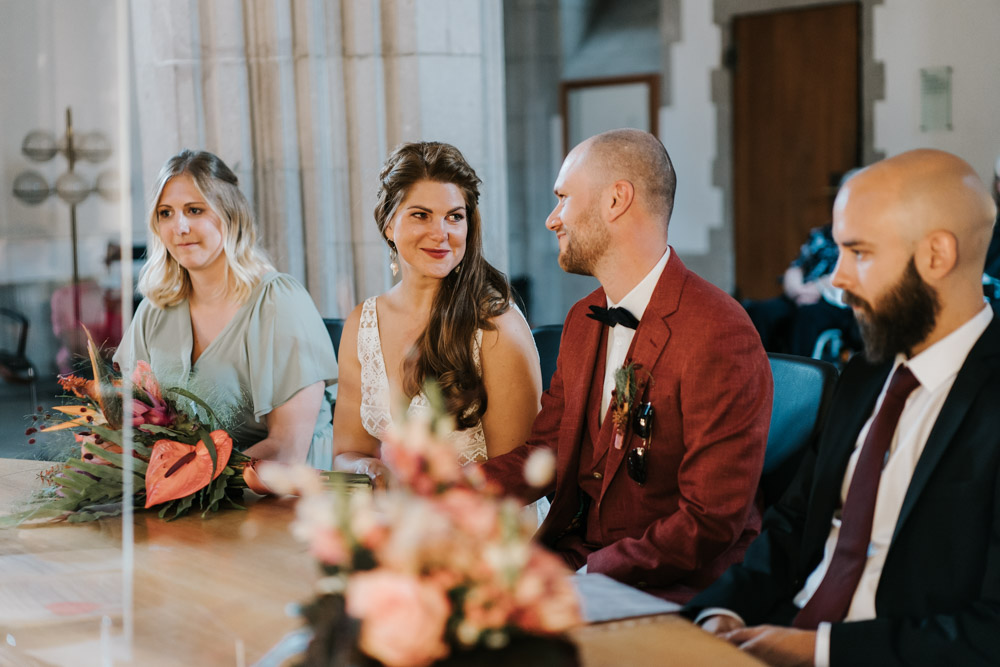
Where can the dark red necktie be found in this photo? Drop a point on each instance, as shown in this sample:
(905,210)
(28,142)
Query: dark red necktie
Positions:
(833,598)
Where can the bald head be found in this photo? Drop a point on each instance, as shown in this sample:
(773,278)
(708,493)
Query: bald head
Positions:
(921,192)
(634,156)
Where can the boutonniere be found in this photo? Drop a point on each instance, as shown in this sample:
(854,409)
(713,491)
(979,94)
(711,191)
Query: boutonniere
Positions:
(623,398)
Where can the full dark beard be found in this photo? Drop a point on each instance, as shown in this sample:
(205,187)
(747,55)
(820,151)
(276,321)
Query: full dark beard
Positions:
(902,318)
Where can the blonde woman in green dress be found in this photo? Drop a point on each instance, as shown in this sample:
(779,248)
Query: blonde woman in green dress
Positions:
(218,319)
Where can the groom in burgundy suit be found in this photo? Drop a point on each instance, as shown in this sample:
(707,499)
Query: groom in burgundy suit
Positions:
(658,489)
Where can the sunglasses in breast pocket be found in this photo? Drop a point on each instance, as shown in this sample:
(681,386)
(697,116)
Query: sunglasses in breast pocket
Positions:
(637,459)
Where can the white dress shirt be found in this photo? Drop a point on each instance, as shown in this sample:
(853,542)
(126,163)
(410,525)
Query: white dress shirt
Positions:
(620,337)
(936,369)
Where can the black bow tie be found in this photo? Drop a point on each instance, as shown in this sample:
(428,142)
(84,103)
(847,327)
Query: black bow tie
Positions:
(613,316)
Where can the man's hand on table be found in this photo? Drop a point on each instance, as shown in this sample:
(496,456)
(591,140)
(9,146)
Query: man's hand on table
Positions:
(721,624)
(775,645)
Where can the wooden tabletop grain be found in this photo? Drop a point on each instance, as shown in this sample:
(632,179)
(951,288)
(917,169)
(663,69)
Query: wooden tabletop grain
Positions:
(214,591)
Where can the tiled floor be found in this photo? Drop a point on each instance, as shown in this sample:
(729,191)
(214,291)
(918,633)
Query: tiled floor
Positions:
(15,417)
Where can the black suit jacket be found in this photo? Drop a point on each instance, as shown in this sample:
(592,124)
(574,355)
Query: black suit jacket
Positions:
(938,598)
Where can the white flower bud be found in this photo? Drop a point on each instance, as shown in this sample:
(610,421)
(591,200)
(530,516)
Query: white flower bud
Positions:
(540,467)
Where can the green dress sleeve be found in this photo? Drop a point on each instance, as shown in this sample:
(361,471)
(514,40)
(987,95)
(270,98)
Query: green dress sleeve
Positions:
(288,347)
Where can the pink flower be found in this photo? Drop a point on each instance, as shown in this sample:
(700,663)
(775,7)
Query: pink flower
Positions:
(421,460)
(487,607)
(473,513)
(402,617)
(158,414)
(329,547)
(545,596)
(154,410)
(144,379)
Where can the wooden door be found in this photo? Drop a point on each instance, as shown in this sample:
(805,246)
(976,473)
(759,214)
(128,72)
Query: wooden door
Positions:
(796,90)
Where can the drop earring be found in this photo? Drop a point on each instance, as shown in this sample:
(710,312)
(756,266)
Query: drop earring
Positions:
(393,259)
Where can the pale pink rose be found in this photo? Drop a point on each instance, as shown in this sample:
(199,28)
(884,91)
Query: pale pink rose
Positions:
(487,606)
(545,596)
(442,457)
(402,617)
(445,579)
(421,460)
(328,546)
(473,513)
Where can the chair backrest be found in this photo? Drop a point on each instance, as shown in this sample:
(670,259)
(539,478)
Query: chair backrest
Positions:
(803,388)
(14,339)
(547,341)
(334,327)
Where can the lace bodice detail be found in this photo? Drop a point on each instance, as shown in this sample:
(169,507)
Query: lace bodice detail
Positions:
(375,396)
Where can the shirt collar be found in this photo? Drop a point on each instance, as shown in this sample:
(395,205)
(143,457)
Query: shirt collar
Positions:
(942,360)
(637,299)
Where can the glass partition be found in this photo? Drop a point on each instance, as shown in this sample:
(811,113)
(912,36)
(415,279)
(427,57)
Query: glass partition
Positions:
(64,587)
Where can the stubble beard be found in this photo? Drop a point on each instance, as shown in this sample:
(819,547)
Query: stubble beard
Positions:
(901,319)
(585,245)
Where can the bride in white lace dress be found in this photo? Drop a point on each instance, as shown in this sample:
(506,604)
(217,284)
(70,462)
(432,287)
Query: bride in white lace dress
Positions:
(448,318)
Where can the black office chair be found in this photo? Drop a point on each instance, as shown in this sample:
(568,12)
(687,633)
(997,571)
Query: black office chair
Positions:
(14,364)
(334,327)
(802,391)
(547,341)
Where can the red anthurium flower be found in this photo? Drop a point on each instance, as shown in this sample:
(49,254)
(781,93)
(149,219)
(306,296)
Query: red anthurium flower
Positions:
(177,470)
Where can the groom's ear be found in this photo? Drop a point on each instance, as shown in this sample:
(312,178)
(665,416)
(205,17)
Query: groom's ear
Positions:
(621,195)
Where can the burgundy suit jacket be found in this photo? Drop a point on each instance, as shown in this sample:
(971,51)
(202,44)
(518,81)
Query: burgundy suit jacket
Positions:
(709,381)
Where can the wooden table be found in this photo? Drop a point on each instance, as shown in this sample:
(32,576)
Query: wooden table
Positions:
(215,591)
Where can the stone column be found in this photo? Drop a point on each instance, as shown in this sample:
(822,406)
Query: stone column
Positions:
(304,98)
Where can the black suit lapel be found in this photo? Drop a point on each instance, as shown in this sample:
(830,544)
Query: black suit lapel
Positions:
(973,373)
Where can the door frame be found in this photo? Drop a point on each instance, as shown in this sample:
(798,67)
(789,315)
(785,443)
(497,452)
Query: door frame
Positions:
(722,241)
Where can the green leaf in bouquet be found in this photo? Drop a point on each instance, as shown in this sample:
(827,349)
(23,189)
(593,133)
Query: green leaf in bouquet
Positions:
(108,395)
(197,401)
(182,507)
(95,512)
(138,466)
(217,491)
(109,473)
(206,438)
(163,430)
(142,450)
(74,480)
(165,507)
(108,434)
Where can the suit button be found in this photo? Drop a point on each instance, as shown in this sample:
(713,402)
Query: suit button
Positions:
(597,474)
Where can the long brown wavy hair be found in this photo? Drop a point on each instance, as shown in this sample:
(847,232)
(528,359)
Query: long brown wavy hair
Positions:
(468,298)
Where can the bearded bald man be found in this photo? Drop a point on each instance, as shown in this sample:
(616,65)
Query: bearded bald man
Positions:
(891,556)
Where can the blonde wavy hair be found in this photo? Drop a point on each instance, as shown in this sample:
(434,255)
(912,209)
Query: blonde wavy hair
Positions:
(165,282)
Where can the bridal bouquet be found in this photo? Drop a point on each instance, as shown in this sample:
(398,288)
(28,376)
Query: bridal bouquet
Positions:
(436,566)
(180,462)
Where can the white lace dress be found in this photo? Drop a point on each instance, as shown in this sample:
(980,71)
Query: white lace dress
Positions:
(375,396)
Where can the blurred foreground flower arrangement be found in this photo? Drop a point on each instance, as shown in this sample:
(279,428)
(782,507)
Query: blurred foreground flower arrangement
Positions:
(435,567)
(179,462)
